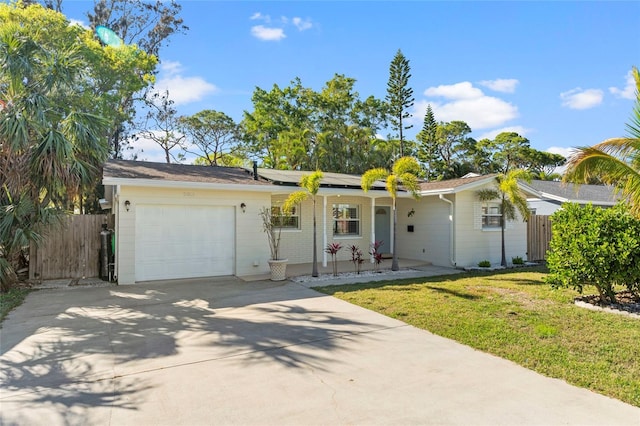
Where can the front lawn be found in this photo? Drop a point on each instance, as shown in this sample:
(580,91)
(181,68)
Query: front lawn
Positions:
(514,314)
(10,300)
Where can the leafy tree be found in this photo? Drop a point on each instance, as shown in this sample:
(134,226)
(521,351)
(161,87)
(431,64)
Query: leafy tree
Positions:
(298,128)
(614,161)
(51,132)
(161,125)
(311,186)
(511,200)
(146,24)
(450,138)
(595,246)
(403,174)
(214,134)
(399,95)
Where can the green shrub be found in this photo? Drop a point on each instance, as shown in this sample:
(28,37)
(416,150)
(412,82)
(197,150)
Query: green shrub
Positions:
(517,260)
(484,264)
(594,246)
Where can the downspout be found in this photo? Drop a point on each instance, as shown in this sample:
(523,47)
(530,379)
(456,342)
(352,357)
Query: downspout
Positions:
(452,257)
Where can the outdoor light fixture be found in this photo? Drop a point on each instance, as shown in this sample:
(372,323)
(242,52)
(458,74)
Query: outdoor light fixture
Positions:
(243,206)
(411,213)
(127,204)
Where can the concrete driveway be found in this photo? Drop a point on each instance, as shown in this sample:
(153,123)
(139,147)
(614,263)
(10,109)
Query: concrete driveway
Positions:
(222,351)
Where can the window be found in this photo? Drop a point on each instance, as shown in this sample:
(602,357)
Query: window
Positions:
(290,221)
(491,215)
(346,219)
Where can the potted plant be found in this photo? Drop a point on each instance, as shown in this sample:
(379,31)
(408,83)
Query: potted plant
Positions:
(273,229)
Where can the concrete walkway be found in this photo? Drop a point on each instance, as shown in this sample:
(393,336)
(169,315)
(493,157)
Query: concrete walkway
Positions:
(224,351)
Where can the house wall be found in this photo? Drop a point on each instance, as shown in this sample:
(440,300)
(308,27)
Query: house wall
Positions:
(430,241)
(544,207)
(297,246)
(473,244)
(250,242)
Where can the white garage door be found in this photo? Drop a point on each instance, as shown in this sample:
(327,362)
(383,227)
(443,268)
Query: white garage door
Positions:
(184,241)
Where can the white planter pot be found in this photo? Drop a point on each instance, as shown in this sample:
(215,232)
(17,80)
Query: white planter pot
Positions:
(278,269)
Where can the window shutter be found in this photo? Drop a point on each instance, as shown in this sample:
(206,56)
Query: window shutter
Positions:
(477,215)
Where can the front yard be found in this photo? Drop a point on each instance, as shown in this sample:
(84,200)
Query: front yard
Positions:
(514,314)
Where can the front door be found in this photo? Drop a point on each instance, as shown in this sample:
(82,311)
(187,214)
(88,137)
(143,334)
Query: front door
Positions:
(383,228)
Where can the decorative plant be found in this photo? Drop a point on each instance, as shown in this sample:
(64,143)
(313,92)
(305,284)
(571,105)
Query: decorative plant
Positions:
(333,249)
(273,229)
(517,260)
(484,264)
(377,256)
(356,257)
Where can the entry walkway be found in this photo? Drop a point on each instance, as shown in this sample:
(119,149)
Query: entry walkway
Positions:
(227,352)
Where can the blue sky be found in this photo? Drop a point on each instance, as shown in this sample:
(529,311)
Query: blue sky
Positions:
(556,72)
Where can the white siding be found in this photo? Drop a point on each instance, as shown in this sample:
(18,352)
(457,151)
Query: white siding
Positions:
(473,245)
(430,240)
(297,245)
(250,245)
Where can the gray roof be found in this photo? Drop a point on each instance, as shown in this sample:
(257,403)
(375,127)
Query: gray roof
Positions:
(596,194)
(126,169)
(329,180)
(453,183)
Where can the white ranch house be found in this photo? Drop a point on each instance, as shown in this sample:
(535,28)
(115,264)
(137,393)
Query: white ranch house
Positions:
(181,221)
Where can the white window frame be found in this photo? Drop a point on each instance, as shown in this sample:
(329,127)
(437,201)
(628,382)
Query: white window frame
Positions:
(294,217)
(487,215)
(357,220)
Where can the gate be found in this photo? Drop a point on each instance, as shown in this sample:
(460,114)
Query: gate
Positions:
(71,250)
(538,237)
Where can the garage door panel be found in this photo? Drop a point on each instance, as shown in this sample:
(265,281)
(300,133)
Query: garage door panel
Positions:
(184,241)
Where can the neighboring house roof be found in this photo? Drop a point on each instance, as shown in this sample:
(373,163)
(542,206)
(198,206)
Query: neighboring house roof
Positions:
(581,194)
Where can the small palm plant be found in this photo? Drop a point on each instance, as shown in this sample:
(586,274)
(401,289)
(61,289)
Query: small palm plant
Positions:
(333,249)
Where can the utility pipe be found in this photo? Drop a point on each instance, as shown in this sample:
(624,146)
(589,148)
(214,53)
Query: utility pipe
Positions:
(452,258)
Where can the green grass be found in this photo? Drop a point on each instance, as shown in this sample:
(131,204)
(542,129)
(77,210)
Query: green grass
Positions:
(514,314)
(10,300)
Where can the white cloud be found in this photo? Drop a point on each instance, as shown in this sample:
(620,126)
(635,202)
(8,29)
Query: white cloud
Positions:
(581,99)
(171,67)
(522,131)
(259,16)
(79,22)
(302,24)
(565,152)
(267,34)
(628,91)
(464,102)
(501,85)
(182,89)
(464,90)
(148,150)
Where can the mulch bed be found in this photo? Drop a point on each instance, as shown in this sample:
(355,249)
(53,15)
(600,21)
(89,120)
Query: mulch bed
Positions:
(627,302)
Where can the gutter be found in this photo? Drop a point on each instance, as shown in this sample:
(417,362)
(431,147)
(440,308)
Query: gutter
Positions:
(452,256)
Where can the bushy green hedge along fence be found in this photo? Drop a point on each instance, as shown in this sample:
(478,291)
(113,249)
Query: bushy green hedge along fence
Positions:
(595,246)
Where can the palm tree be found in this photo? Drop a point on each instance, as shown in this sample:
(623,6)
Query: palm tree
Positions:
(403,174)
(50,147)
(511,199)
(615,161)
(311,185)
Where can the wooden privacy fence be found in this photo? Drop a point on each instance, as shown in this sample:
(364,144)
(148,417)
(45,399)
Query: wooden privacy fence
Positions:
(71,250)
(538,237)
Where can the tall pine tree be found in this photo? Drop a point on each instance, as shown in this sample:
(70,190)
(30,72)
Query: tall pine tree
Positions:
(399,94)
(428,148)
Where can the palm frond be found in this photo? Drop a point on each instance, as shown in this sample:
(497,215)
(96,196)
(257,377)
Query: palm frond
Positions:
(370,177)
